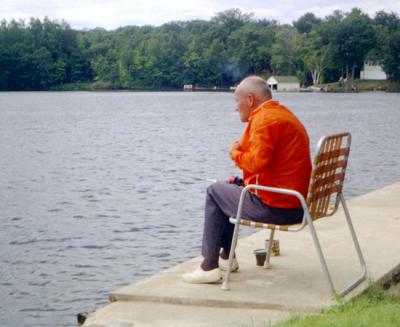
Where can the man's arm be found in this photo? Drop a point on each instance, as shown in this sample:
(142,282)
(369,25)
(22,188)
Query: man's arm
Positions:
(259,155)
(234,146)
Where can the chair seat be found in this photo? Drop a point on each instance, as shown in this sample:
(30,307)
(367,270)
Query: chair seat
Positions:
(258,224)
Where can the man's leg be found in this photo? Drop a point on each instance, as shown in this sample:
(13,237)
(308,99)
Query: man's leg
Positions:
(215,224)
(222,202)
(217,229)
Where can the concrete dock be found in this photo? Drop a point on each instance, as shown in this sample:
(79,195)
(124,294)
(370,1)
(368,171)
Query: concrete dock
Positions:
(258,296)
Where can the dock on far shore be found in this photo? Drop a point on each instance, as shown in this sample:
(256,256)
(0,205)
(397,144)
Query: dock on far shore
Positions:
(258,296)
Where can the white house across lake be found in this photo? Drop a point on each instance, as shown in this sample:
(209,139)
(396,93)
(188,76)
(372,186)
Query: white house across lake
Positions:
(284,83)
(372,70)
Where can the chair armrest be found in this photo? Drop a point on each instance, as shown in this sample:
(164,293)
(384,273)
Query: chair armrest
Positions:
(294,193)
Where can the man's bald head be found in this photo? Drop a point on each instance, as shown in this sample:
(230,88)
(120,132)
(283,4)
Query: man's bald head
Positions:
(256,86)
(249,94)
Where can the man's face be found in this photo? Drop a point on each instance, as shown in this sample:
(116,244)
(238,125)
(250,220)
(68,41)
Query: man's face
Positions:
(244,102)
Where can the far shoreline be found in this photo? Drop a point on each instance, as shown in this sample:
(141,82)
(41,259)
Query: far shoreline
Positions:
(360,86)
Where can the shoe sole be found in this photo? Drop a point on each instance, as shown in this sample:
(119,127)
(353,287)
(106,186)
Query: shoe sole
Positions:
(219,281)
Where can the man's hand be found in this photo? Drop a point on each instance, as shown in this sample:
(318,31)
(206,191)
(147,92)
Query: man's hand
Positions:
(235,145)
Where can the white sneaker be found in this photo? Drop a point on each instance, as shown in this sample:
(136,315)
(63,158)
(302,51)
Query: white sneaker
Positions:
(200,276)
(223,264)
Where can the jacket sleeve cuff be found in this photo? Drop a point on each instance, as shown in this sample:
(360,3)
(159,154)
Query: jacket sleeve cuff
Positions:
(235,154)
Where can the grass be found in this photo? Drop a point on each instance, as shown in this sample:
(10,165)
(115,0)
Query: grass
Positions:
(375,308)
(360,85)
(365,85)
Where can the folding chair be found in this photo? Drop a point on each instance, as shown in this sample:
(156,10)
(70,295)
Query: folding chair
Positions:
(324,194)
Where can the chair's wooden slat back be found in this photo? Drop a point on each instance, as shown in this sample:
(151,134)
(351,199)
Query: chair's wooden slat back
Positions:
(329,170)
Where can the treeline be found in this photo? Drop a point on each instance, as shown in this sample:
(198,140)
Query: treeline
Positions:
(40,55)
(44,54)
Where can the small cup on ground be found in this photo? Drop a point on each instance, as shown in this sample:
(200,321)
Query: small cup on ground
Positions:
(261,255)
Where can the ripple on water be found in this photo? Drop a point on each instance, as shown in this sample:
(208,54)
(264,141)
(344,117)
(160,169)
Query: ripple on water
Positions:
(131,230)
(103,216)
(160,255)
(45,240)
(54,210)
(95,246)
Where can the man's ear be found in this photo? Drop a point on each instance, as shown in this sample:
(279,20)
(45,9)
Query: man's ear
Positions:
(251,99)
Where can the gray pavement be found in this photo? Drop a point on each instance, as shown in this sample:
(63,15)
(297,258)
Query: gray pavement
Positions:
(258,296)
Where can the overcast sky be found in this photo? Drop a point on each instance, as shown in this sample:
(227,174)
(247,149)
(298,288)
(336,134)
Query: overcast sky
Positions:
(111,14)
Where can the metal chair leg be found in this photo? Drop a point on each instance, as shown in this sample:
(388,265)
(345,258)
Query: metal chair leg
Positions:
(321,257)
(363,274)
(267,264)
(225,284)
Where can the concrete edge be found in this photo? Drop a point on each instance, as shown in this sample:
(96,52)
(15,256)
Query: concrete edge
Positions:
(209,303)
(392,277)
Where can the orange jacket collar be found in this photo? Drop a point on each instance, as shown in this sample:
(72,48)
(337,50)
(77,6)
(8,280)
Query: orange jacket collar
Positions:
(266,104)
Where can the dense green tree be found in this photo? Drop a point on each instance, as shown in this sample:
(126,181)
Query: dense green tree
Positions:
(387,29)
(193,63)
(228,21)
(42,54)
(392,57)
(42,68)
(284,51)
(306,23)
(39,54)
(390,21)
(250,49)
(313,52)
(353,39)
(385,25)
(219,72)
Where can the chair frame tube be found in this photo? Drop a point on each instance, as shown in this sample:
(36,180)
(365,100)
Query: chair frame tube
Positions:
(267,264)
(307,220)
(363,274)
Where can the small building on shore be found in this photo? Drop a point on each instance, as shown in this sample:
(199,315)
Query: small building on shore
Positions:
(188,87)
(372,70)
(283,83)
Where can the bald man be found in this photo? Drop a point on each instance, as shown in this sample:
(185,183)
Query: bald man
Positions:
(273,151)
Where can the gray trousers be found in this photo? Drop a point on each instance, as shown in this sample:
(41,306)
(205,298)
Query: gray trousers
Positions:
(222,202)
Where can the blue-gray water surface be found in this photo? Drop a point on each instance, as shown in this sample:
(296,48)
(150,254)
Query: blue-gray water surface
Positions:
(98,190)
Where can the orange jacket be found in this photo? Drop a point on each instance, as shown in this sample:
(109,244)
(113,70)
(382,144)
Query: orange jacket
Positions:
(275,151)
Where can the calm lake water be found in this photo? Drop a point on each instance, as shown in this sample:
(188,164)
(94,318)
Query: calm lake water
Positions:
(98,190)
